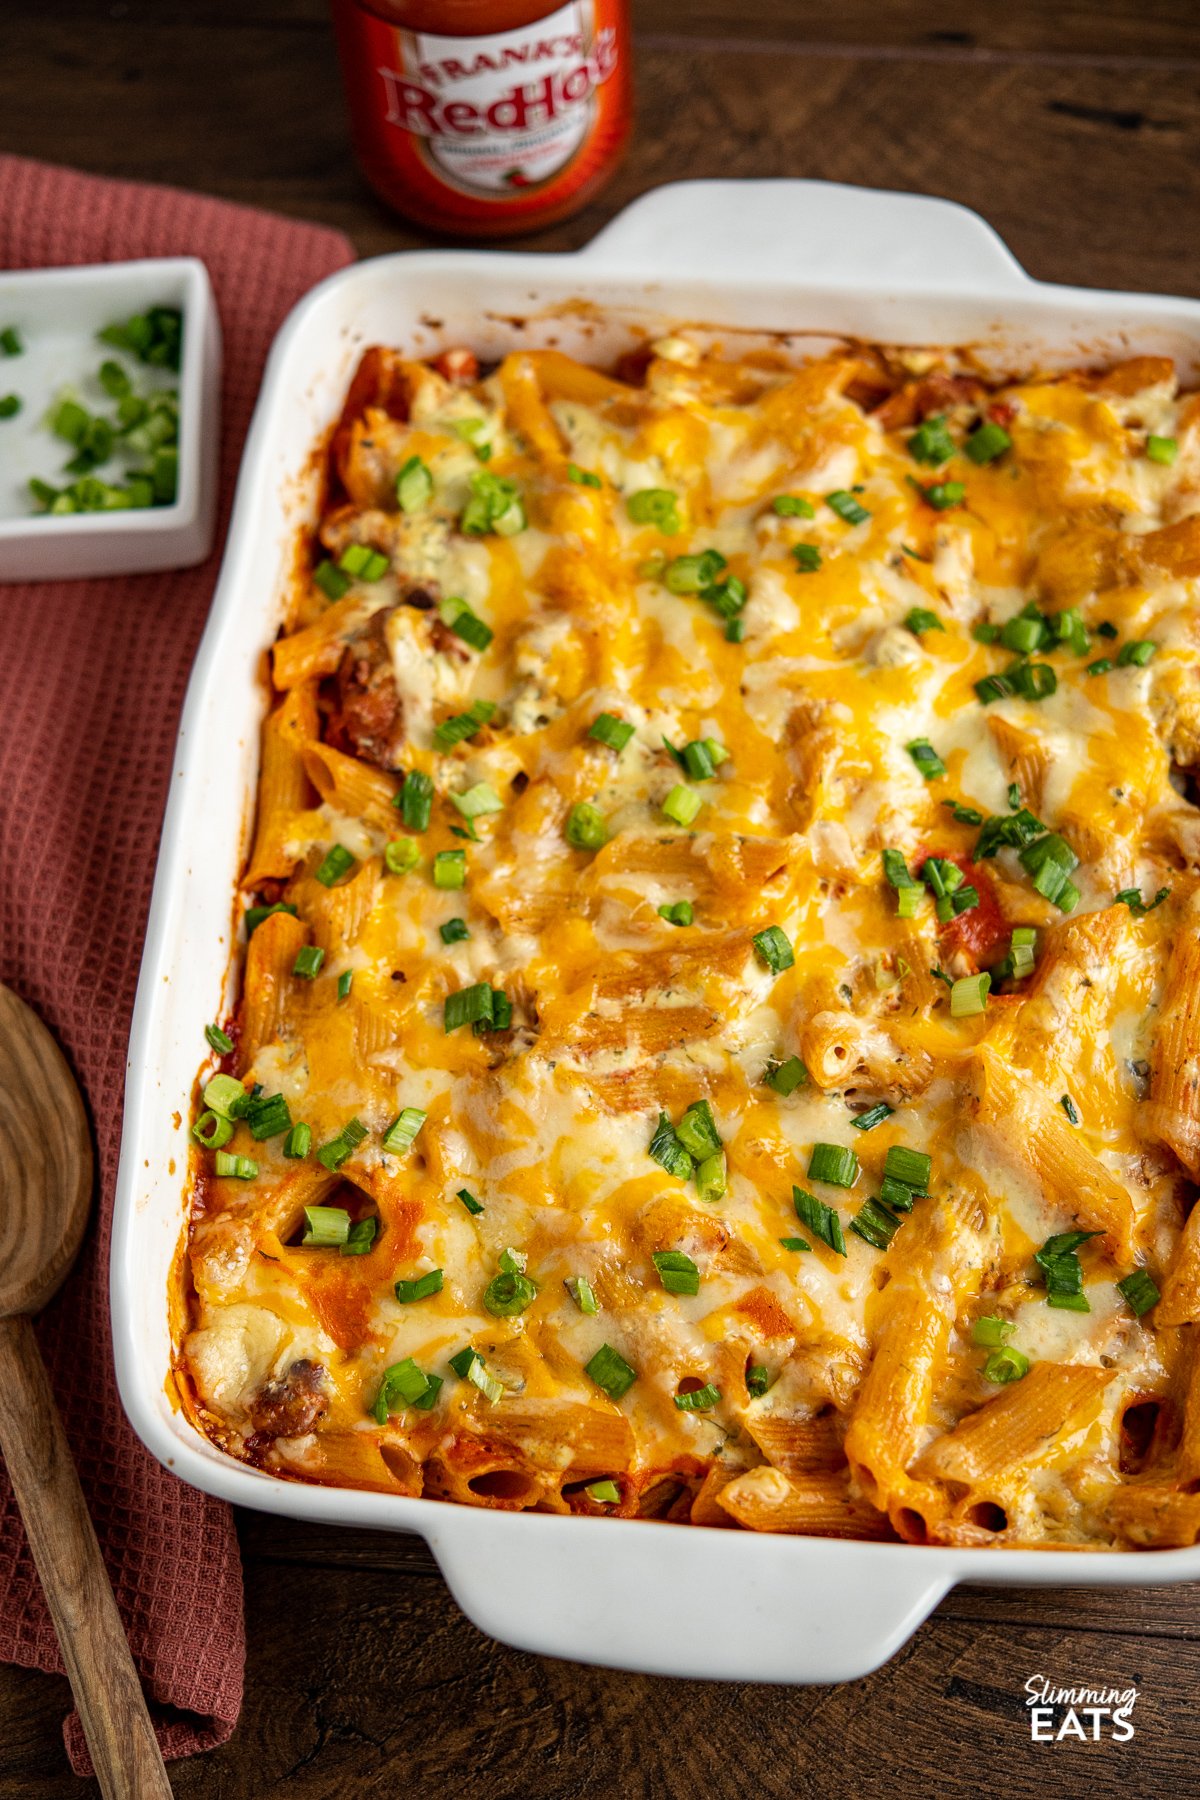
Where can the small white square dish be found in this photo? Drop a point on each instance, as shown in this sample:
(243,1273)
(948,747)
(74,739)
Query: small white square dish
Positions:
(50,318)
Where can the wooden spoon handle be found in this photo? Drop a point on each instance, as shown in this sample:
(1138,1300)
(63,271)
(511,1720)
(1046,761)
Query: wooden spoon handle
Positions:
(74,1580)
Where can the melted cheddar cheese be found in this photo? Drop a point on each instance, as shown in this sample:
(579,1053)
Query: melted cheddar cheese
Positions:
(777,581)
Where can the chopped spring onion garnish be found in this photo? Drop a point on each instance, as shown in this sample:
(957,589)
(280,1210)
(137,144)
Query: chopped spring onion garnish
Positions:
(361,561)
(774,948)
(610,1372)
(328,1226)
(509,1293)
(667,1150)
(225,1096)
(308,961)
(1162,449)
(693,574)
(912,1167)
(1024,634)
(10,342)
(875,1224)
(699,1400)
(807,558)
(471,1367)
(10,406)
(404,1384)
(896,872)
(341,1148)
(735,631)
(1018,830)
(420,1288)
(1138,1291)
(336,862)
(403,1129)
(919,619)
(1069,1107)
(787,1076)
(415,800)
(450,869)
(987,443)
(874,1115)
(931,443)
(241,1168)
(820,1219)
(1132,898)
(990,1333)
(926,758)
(792,506)
(464,623)
(401,856)
(154,337)
(478,801)
(681,805)
(501,1017)
(1136,655)
(329,578)
(1070,630)
(580,1290)
(473,1206)
(582,477)
(345,982)
(362,1236)
(1005,1365)
(608,729)
(697,1131)
(604,1493)
(1059,1262)
(795,1243)
(758,1380)
(268,1117)
(677,1272)
(1049,861)
(833,1163)
(698,759)
(679,912)
(454,931)
(495,506)
(414,486)
(846,507)
(221,1042)
(655,506)
(212,1130)
(1021,956)
(712,1178)
(968,995)
(469,1006)
(586,828)
(298,1141)
(942,495)
(461,726)
(896,1195)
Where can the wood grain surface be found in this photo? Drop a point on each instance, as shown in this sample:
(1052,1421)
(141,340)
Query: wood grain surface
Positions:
(1076,130)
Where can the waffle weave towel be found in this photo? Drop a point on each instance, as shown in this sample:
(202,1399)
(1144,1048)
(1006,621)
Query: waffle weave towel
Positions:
(92,676)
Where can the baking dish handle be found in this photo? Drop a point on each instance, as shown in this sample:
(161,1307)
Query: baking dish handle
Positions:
(684,1600)
(771,232)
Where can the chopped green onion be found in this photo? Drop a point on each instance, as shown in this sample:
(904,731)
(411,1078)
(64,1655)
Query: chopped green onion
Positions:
(699,1400)
(415,800)
(1132,898)
(912,1167)
(679,912)
(1024,635)
(580,1290)
(329,578)
(339,1149)
(667,1150)
(269,1117)
(471,1367)
(501,1017)
(1162,449)
(360,560)
(509,1294)
(225,1096)
(1005,1365)
(454,931)
(774,948)
(677,1272)
(681,805)
(403,1129)
(155,336)
(942,495)
(795,1243)
(990,1333)
(220,1040)
(807,558)
(421,1288)
(336,863)
(308,961)
(875,1224)
(468,1199)
(461,726)
(896,871)
(414,486)
(1069,1107)
(298,1141)
(1138,1291)
(758,1380)
(610,1372)
(328,1226)
(846,507)
(897,1195)
(362,1236)
(787,1076)
(478,801)
(1068,1302)
(468,1006)
(697,760)
(608,729)
(657,507)
(792,506)
(212,1130)
(692,574)
(968,995)
(1049,862)
(10,406)
(926,758)
(403,1384)
(345,982)
(450,869)
(586,828)
(495,506)
(874,1115)
(241,1168)
(1136,655)
(833,1163)
(987,443)
(820,1219)
(401,856)
(697,1131)
(10,341)
(919,619)
(931,442)
(604,1493)
(582,477)
(712,1178)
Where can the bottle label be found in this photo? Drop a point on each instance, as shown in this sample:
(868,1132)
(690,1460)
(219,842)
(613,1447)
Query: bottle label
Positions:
(504,113)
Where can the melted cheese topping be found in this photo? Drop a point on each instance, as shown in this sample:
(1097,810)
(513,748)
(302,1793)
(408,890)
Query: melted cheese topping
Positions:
(620,1016)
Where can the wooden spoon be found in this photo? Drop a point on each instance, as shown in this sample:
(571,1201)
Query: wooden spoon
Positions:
(45,1193)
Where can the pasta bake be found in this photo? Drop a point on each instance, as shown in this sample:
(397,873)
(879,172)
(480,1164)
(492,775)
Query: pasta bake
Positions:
(719,1018)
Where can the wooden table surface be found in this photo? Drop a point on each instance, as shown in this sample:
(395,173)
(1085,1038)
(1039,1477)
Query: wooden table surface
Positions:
(1076,130)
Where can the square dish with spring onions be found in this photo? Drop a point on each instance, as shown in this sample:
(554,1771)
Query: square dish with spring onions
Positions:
(720,1000)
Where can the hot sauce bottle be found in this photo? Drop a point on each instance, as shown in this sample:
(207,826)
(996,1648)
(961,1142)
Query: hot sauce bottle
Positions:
(481,118)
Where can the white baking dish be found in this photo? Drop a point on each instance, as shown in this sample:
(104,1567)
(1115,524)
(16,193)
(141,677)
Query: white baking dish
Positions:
(799,257)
